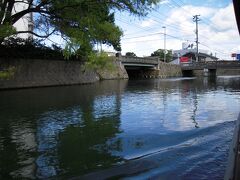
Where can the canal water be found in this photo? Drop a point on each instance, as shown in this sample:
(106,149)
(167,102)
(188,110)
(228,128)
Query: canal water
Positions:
(177,128)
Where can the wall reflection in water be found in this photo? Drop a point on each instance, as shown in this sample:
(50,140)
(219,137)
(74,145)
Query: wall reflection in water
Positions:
(63,130)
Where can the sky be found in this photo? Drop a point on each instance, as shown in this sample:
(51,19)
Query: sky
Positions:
(218,32)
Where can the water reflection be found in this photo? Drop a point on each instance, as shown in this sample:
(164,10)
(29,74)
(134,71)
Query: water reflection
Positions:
(71,131)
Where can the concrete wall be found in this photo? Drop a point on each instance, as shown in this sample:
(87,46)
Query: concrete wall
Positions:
(35,73)
(169,70)
(20,73)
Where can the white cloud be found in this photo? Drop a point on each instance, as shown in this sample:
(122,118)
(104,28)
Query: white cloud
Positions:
(164,2)
(223,18)
(148,23)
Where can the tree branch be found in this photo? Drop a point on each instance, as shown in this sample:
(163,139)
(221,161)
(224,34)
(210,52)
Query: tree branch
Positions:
(3,11)
(20,14)
(35,34)
(17,16)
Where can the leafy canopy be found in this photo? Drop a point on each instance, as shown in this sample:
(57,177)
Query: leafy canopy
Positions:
(80,22)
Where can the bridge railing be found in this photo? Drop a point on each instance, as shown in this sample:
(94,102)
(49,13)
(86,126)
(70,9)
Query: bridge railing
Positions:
(139,60)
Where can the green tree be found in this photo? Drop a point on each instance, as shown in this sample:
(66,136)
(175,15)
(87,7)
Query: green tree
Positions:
(130,54)
(160,53)
(82,23)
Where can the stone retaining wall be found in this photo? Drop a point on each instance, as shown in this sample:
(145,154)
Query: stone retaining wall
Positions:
(22,73)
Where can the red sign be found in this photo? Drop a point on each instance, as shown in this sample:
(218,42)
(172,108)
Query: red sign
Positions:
(184,59)
(234,55)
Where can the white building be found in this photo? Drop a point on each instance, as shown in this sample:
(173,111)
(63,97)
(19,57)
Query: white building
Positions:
(26,22)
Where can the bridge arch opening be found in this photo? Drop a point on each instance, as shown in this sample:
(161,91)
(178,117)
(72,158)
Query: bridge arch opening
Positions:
(139,72)
(187,73)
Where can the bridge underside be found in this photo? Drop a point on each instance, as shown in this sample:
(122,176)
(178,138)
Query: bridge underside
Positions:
(138,66)
(136,71)
(199,72)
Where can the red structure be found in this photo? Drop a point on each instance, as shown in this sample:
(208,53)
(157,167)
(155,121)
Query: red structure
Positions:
(184,59)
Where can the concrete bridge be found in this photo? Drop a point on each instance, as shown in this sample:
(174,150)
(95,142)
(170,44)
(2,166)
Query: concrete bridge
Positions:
(148,62)
(211,65)
(148,67)
(139,63)
(210,68)
(143,67)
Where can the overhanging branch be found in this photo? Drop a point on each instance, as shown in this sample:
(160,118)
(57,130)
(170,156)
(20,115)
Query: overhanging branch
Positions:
(35,34)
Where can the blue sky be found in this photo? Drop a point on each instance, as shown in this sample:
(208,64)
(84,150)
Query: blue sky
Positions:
(217,28)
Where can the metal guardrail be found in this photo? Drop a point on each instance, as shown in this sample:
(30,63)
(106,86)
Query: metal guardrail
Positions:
(228,63)
(210,65)
(198,65)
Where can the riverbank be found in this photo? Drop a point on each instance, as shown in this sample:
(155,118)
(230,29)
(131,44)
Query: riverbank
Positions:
(25,73)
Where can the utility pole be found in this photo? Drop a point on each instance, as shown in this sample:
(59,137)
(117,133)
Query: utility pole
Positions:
(164,27)
(196,19)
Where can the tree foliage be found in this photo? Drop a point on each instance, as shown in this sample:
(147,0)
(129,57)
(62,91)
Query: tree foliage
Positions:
(79,22)
(33,49)
(160,53)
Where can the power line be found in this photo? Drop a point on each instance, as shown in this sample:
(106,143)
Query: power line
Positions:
(144,40)
(153,34)
(217,50)
(142,36)
(204,20)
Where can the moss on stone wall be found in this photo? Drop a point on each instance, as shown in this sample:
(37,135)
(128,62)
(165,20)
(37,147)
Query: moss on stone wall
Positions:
(105,66)
(8,73)
(117,72)
(100,61)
